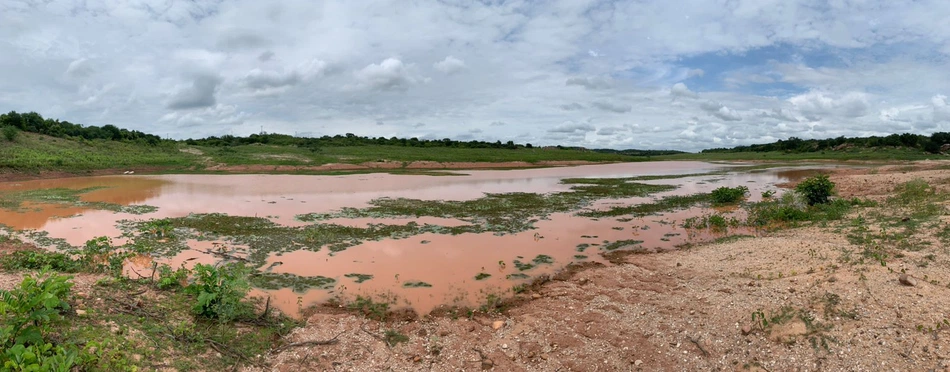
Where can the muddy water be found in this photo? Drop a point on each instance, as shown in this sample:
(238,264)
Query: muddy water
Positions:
(448,263)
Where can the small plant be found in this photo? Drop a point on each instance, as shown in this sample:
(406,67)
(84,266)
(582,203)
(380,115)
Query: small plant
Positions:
(168,278)
(728,195)
(816,190)
(393,337)
(369,308)
(220,291)
(768,194)
(10,133)
(27,314)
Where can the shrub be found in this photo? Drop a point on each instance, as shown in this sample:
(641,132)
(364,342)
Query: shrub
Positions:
(816,190)
(728,195)
(168,278)
(27,314)
(220,291)
(10,133)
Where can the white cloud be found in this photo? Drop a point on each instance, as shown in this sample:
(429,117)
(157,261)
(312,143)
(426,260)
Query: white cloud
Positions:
(199,93)
(681,90)
(572,128)
(592,83)
(390,74)
(819,104)
(450,65)
(720,111)
(941,108)
(612,106)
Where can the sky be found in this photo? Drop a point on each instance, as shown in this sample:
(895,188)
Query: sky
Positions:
(683,75)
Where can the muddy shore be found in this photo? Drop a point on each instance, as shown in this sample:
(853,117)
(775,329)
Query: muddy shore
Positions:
(690,309)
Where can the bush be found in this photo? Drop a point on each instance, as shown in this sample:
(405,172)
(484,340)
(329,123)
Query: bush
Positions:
(10,133)
(728,195)
(220,291)
(816,190)
(27,314)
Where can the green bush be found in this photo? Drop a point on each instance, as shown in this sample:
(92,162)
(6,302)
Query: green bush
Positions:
(728,195)
(220,291)
(10,133)
(27,314)
(168,278)
(817,189)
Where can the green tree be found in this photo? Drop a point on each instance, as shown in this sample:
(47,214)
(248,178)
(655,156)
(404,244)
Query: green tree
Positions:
(10,133)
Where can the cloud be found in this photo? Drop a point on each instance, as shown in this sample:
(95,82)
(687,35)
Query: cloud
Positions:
(612,106)
(200,93)
(609,131)
(681,90)
(696,72)
(450,65)
(389,75)
(275,81)
(572,128)
(418,125)
(591,83)
(779,114)
(817,104)
(265,56)
(211,116)
(573,106)
(79,68)
(720,111)
(497,124)
(941,108)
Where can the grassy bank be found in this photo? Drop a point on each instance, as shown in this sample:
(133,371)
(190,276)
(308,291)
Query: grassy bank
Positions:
(865,154)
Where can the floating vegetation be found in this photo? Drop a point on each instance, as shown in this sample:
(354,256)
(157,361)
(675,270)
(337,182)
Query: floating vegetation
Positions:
(582,247)
(482,276)
(580,257)
(416,284)
(543,259)
(299,284)
(502,212)
(521,266)
(620,244)
(666,204)
(15,200)
(359,278)
(517,276)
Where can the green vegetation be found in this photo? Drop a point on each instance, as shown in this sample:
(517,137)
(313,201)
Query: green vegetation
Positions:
(125,324)
(728,195)
(14,200)
(666,204)
(918,142)
(816,190)
(10,133)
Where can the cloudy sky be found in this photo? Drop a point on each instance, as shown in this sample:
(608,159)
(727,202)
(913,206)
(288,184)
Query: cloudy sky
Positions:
(622,74)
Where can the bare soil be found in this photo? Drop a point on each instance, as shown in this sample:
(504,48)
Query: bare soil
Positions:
(684,310)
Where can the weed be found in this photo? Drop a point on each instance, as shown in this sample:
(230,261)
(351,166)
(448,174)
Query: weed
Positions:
(416,284)
(728,195)
(393,337)
(220,291)
(482,276)
(817,189)
(370,308)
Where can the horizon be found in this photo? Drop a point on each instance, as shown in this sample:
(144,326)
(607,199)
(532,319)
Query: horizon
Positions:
(593,74)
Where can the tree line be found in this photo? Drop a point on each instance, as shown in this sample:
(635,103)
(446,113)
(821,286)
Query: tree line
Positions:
(348,139)
(35,123)
(931,144)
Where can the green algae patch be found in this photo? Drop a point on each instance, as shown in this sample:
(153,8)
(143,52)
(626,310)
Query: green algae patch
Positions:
(666,204)
(500,213)
(620,244)
(359,278)
(299,284)
(482,276)
(416,284)
(15,200)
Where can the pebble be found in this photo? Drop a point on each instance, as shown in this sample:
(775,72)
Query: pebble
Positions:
(907,280)
(80,312)
(746,329)
(638,362)
(496,325)
(535,296)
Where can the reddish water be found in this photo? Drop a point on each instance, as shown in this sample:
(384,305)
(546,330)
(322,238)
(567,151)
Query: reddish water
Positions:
(448,263)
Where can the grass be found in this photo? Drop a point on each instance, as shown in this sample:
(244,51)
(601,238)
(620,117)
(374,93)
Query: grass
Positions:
(33,152)
(668,203)
(123,324)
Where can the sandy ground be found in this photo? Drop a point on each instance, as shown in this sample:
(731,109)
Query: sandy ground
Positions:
(687,310)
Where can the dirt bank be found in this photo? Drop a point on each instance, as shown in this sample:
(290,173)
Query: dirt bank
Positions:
(6,176)
(691,309)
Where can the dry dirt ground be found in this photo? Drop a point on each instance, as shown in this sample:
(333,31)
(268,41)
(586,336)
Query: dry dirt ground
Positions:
(686,310)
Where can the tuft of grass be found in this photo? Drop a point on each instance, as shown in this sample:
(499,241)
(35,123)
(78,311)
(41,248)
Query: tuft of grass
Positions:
(728,195)
(666,204)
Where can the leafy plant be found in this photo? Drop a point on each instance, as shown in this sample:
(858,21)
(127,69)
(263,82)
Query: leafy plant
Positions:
(10,133)
(168,278)
(768,194)
(816,190)
(220,291)
(27,314)
(728,195)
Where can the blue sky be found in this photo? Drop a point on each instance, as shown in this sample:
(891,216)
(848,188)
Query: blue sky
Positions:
(686,75)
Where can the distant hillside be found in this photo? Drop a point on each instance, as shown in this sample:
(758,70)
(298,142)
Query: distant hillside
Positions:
(635,152)
(935,144)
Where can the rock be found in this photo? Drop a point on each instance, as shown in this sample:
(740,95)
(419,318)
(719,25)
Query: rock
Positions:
(907,280)
(487,364)
(444,333)
(496,325)
(504,346)
(416,359)
(746,329)
(535,296)
(471,328)
(638,362)
(80,312)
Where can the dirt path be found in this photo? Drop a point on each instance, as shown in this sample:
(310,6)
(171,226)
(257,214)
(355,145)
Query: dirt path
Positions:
(688,310)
